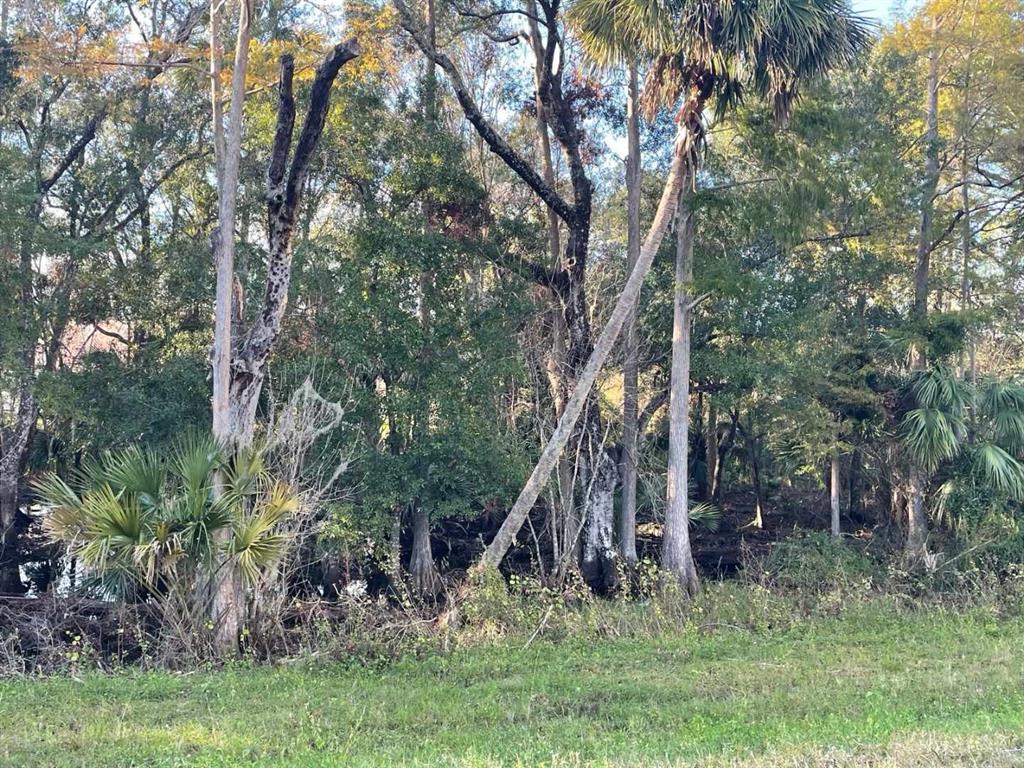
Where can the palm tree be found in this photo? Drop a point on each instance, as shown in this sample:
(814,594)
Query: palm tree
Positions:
(145,526)
(964,433)
(700,51)
(703,51)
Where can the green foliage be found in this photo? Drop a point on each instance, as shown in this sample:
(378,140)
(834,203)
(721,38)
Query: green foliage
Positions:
(814,561)
(144,523)
(975,431)
(724,49)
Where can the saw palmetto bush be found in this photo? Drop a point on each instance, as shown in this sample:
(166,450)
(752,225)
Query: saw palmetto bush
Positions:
(970,438)
(152,527)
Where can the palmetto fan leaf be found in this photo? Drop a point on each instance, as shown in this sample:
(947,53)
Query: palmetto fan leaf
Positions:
(138,471)
(930,436)
(999,469)
(705,515)
(256,541)
(939,388)
(140,520)
(194,459)
(1008,430)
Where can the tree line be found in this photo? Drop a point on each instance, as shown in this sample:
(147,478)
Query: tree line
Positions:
(544,286)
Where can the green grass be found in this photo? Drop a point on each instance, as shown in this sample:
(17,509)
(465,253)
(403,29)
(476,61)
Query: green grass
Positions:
(923,688)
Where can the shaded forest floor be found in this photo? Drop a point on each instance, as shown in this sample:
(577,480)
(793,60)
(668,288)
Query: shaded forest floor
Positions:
(870,685)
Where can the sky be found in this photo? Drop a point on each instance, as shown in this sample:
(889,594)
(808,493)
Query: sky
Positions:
(876,9)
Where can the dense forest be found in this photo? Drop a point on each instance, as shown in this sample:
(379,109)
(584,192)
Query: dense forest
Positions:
(307,301)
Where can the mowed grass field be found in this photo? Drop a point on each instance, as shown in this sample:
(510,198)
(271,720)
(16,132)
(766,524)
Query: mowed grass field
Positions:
(873,687)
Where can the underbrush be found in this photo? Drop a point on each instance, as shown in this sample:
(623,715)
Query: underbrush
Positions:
(809,576)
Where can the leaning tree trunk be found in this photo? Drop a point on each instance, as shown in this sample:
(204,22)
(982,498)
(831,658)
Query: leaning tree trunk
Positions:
(676,553)
(915,546)
(630,342)
(503,540)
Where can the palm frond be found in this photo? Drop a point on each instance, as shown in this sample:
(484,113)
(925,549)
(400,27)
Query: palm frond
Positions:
(940,388)
(930,436)
(194,458)
(705,515)
(138,471)
(721,47)
(999,469)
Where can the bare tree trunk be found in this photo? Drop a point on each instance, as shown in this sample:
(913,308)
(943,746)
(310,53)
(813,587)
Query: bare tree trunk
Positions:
(497,549)
(754,458)
(834,493)
(565,522)
(676,554)
(968,371)
(425,580)
(630,342)
(227,602)
(711,447)
(285,185)
(917,520)
(724,449)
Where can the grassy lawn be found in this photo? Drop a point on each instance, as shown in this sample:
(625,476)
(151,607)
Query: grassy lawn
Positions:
(875,686)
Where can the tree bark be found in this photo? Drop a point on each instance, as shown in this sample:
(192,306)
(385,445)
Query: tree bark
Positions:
(227,601)
(676,554)
(917,520)
(711,447)
(497,549)
(565,519)
(630,341)
(285,184)
(834,493)
(425,580)
(724,449)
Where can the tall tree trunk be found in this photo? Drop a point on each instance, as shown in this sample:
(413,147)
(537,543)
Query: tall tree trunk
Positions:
(16,444)
(917,520)
(676,554)
(285,185)
(565,523)
(969,370)
(497,549)
(834,493)
(630,341)
(228,602)
(425,579)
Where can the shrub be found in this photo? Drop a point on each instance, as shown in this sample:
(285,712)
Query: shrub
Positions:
(816,563)
(146,527)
